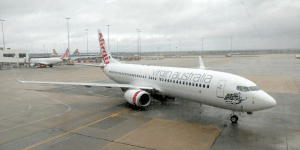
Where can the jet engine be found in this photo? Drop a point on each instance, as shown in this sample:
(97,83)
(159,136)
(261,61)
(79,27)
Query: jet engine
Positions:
(32,65)
(137,97)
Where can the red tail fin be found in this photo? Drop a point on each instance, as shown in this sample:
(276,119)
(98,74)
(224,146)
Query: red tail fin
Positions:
(65,55)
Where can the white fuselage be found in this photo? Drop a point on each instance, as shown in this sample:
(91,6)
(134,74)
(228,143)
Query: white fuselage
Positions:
(217,89)
(46,61)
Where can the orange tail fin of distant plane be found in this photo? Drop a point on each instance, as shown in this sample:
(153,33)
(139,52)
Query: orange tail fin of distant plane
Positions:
(54,52)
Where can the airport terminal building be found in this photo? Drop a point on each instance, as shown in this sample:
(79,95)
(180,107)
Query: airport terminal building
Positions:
(15,57)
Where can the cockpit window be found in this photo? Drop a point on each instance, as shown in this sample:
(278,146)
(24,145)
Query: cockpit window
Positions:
(246,89)
(253,88)
(239,88)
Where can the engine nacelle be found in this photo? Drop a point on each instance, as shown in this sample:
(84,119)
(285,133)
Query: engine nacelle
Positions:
(32,65)
(137,97)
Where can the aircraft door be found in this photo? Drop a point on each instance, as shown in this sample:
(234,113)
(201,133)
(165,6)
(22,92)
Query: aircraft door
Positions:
(220,88)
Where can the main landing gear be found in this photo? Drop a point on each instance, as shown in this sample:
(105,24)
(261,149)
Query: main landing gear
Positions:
(234,118)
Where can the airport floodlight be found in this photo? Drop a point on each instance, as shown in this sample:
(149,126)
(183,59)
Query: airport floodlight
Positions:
(44,48)
(231,43)
(3,33)
(87,41)
(180,45)
(68,34)
(137,40)
(140,43)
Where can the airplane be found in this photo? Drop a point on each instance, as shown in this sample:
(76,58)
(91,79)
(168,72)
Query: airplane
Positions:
(142,83)
(49,61)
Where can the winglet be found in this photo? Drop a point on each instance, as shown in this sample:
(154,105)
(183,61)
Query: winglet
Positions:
(201,63)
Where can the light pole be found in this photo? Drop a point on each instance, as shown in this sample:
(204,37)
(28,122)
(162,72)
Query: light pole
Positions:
(180,45)
(231,43)
(137,38)
(202,47)
(44,48)
(3,33)
(117,47)
(87,41)
(170,45)
(68,34)
(140,48)
(108,35)
(31,49)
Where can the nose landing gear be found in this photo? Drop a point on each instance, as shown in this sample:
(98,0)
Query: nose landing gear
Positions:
(234,118)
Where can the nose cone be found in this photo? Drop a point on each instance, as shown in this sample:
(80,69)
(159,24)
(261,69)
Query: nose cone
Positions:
(267,100)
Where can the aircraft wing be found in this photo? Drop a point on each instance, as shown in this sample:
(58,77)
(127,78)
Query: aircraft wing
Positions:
(98,65)
(108,85)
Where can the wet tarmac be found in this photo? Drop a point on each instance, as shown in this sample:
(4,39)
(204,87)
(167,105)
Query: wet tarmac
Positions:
(40,116)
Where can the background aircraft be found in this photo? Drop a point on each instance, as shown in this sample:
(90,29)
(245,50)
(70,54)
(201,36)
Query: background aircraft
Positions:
(48,61)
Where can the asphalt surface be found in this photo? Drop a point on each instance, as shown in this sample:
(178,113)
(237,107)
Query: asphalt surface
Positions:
(42,116)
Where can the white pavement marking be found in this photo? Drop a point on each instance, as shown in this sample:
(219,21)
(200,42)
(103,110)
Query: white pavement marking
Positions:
(16,113)
(43,118)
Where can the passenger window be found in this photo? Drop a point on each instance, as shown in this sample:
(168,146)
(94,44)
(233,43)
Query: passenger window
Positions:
(207,86)
(203,85)
(183,82)
(179,82)
(199,85)
(196,84)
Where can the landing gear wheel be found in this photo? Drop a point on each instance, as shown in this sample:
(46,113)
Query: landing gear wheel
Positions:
(50,65)
(234,118)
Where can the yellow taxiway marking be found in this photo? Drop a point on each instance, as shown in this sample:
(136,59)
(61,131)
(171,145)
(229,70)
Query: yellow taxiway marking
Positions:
(51,139)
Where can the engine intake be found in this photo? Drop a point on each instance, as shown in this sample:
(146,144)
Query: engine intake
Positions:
(137,97)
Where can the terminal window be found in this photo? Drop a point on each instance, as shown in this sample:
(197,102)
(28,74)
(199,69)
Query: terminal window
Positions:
(22,55)
(8,55)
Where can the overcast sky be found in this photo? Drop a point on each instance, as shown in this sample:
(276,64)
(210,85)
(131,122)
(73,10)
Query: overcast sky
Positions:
(253,24)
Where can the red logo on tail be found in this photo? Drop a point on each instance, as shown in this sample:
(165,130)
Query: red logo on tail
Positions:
(104,57)
(65,55)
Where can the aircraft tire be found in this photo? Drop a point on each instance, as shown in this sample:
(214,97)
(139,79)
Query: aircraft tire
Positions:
(234,118)
(50,65)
